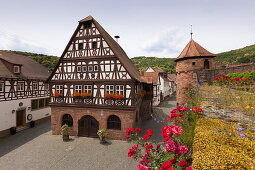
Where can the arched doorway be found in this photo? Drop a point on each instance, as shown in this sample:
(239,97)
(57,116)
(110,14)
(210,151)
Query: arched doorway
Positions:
(206,64)
(88,126)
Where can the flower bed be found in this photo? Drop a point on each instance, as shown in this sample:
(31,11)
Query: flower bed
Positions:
(219,145)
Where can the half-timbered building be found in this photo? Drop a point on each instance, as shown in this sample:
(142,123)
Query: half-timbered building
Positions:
(24,96)
(95,85)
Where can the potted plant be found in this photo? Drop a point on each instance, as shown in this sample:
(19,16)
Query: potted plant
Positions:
(86,95)
(13,130)
(65,132)
(76,96)
(58,96)
(32,124)
(109,98)
(102,135)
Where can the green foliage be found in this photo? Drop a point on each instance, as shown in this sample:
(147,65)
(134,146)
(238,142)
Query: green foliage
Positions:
(45,60)
(143,62)
(242,55)
(65,130)
(102,134)
(244,75)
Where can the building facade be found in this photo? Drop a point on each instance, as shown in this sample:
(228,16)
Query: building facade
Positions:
(96,86)
(193,57)
(24,96)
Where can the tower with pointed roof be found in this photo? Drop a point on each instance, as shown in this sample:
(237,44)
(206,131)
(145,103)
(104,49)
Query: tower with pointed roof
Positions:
(96,86)
(193,57)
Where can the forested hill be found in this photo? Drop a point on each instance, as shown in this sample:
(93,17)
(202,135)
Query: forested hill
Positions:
(242,55)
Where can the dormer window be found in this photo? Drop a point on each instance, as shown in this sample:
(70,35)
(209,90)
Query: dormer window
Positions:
(16,69)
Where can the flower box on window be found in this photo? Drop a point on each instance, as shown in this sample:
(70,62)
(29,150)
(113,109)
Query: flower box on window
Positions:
(86,95)
(56,94)
(77,97)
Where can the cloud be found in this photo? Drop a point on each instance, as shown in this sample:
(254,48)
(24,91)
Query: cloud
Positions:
(167,43)
(10,41)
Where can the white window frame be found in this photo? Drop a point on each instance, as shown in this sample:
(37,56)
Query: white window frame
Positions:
(88,88)
(95,67)
(78,88)
(84,68)
(1,87)
(120,89)
(109,89)
(79,69)
(35,85)
(90,68)
(59,88)
(16,67)
(22,86)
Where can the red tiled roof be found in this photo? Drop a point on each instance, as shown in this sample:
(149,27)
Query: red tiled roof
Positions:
(154,76)
(193,49)
(171,77)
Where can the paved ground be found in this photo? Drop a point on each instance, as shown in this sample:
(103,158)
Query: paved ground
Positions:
(36,148)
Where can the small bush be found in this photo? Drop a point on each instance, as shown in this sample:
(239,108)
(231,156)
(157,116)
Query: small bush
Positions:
(217,145)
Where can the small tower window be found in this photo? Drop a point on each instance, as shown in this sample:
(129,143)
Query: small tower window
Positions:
(206,64)
(94,44)
(80,46)
(16,69)
(193,63)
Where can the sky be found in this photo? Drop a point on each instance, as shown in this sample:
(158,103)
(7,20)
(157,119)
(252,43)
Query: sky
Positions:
(158,28)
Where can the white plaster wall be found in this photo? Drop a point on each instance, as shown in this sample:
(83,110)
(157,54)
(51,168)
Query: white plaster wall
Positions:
(149,70)
(8,119)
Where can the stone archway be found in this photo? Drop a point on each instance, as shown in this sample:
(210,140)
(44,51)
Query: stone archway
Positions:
(88,126)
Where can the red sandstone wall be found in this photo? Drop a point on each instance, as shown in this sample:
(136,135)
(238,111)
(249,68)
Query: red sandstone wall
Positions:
(127,119)
(184,70)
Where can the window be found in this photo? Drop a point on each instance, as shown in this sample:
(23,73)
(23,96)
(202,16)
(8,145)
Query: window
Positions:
(80,46)
(114,122)
(120,90)
(41,103)
(206,64)
(88,88)
(87,24)
(47,101)
(78,68)
(95,68)
(193,63)
(67,119)
(20,86)
(90,68)
(1,87)
(59,88)
(94,44)
(16,69)
(35,86)
(84,68)
(34,104)
(109,89)
(78,88)
(46,86)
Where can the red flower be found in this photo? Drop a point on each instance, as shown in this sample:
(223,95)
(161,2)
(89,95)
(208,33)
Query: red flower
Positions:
(173,161)
(138,129)
(166,133)
(197,109)
(157,147)
(145,137)
(183,163)
(167,166)
(129,130)
(131,152)
(127,136)
(189,168)
(176,129)
(149,132)
(183,149)
(149,146)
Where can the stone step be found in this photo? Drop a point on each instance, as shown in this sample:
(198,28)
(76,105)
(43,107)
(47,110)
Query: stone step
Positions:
(18,129)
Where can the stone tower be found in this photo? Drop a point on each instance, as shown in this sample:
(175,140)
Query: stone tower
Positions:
(193,57)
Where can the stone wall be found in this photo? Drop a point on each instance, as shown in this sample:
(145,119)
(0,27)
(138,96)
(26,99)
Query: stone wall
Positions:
(209,75)
(127,117)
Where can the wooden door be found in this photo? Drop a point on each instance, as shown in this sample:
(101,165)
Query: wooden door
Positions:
(20,118)
(88,126)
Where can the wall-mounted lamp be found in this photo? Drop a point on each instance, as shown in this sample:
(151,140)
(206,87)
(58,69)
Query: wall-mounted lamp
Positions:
(28,108)
(13,111)
(102,113)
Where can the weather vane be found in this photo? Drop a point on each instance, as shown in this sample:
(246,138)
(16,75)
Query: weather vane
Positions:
(191,32)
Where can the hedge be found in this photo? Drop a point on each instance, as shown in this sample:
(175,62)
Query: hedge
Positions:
(244,75)
(218,145)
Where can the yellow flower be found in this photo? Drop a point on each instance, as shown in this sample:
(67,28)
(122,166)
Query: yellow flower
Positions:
(252,107)
(247,107)
(218,92)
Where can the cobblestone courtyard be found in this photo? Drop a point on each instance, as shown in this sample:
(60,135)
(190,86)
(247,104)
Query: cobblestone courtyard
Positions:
(37,148)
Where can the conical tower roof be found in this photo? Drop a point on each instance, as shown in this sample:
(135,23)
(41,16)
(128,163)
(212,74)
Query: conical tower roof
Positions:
(194,50)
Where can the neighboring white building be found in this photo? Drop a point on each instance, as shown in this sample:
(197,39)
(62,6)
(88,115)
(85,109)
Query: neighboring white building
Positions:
(161,84)
(23,95)
(172,83)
